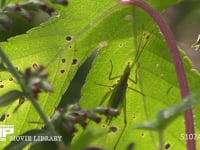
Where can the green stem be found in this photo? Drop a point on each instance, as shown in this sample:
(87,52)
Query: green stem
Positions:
(161,140)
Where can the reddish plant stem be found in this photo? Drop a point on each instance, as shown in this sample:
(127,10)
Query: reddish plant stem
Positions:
(180,72)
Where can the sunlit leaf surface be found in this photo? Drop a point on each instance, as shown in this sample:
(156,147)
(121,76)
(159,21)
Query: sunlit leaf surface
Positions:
(96,25)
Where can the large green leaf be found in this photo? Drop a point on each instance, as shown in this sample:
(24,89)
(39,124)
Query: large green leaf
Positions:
(157,80)
(47,45)
(156,73)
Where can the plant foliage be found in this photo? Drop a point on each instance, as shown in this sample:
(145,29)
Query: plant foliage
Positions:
(74,34)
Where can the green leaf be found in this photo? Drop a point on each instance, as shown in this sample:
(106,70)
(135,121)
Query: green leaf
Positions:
(10,97)
(156,79)
(166,116)
(80,20)
(47,45)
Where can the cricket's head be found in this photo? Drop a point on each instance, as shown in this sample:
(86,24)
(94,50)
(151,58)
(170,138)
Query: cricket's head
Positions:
(127,70)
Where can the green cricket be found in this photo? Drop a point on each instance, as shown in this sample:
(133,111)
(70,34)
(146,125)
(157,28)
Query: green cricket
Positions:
(117,99)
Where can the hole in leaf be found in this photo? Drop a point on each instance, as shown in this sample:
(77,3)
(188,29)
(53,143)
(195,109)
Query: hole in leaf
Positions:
(17,68)
(134,117)
(120,45)
(74,61)
(142,134)
(147,37)
(35,66)
(1,86)
(8,115)
(68,38)
(62,71)
(112,129)
(167,146)
(63,60)
(103,126)
(10,79)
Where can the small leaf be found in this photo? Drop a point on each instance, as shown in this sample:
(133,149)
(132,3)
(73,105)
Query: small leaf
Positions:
(166,116)
(10,97)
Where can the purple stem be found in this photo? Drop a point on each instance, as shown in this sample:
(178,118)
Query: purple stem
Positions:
(183,84)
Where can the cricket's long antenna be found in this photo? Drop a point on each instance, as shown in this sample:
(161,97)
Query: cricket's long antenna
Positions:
(138,46)
(139,49)
(135,35)
(95,21)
